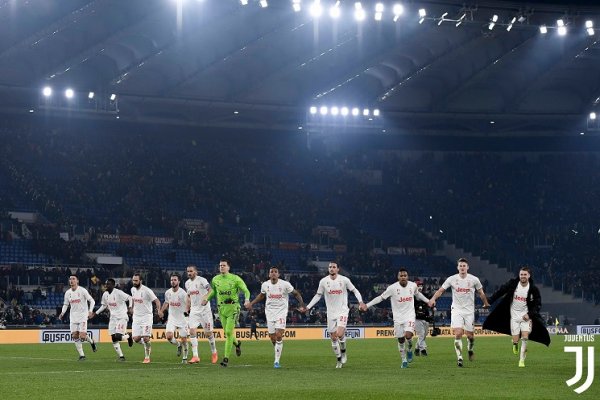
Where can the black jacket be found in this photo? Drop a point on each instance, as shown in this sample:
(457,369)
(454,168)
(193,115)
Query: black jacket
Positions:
(499,318)
(422,310)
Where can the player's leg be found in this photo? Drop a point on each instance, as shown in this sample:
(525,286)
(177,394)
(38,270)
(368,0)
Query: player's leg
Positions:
(457,323)
(116,336)
(146,333)
(75,336)
(170,332)
(183,346)
(278,329)
(400,336)
(469,327)
(525,330)
(332,328)
(409,330)
(341,334)
(207,323)
(228,319)
(84,337)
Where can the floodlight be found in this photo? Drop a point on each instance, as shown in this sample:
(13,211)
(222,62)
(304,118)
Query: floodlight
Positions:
(589,27)
(335,110)
(344,111)
(562,30)
(297,6)
(422,14)
(334,10)
(323,110)
(543,29)
(113,97)
(366,112)
(69,93)
(313,110)
(316,9)
(264,3)
(47,91)
(91,95)
(376,112)
(244,2)
(560,22)
(355,111)
(359,12)
(593,116)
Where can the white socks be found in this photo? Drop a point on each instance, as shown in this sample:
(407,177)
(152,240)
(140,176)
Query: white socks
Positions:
(458,347)
(278,350)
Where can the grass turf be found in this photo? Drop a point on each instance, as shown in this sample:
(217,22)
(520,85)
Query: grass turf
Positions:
(372,372)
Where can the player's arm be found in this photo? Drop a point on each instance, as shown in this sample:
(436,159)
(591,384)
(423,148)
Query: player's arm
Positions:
(257,299)
(383,296)
(156,302)
(164,307)
(212,293)
(242,286)
(299,299)
(421,297)
(316,297)
(357,294)
(91,304)
(103,306)
(483,298)
(439,292)
(64,307)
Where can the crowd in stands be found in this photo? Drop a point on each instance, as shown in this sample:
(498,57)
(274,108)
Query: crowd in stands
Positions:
(535,209)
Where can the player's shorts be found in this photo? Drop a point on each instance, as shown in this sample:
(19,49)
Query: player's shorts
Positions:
(340,321)
(276,321)
(174,324)
(142,326)
(401,327)
(203,318)
(117,325)
(78,326)
(462,321)
(518,326)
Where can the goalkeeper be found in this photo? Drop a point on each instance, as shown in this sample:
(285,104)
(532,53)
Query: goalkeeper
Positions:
(226,287)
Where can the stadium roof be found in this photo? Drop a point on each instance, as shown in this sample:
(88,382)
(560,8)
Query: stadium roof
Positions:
(219,63)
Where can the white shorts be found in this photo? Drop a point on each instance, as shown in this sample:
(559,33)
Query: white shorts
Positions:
(275,322)
(402,327)
(204,319)
(181,325)
(341,321)
(117,325)
(79,327)
(142,326)
(462,321)
(518,326)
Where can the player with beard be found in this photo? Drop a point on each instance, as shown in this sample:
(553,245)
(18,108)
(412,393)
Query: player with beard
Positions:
(143,297)
(334,287)
(197,288)
(176,302)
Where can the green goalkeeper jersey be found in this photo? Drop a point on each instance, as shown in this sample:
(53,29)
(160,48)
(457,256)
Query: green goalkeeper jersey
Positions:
(227,288)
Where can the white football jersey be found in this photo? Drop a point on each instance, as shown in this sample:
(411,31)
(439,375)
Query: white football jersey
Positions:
(335,292)
(402,300)
(177,304)
(78,299)
(142,301)
(518,307)
(197,289)
(116,302)
(277,294)
(463,292)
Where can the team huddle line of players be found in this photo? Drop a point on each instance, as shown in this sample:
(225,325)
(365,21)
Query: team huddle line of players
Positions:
(517,314)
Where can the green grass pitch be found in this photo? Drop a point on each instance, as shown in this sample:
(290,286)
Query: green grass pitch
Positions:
(51,371)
